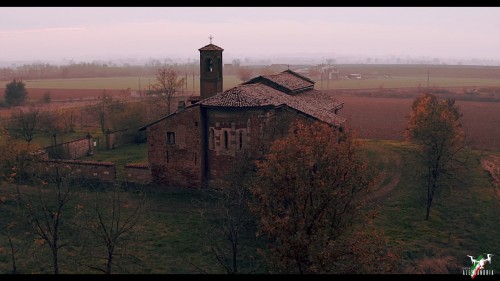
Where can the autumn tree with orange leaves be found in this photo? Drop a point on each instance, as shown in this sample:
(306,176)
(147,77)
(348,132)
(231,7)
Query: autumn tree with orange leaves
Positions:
(435,125)
(306,193)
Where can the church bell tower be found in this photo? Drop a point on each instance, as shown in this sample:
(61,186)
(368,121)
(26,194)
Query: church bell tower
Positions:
(210,70)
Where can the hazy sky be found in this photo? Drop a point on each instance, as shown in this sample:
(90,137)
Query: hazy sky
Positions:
(88,33)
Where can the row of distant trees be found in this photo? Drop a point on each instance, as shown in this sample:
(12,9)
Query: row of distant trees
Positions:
(103,69)
(90,70)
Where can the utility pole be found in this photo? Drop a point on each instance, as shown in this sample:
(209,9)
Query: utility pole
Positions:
(328,77)
(140,92)
(427,78)
(321,75)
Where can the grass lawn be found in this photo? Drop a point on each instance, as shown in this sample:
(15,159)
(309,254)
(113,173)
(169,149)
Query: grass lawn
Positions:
(462,219)
(127,154)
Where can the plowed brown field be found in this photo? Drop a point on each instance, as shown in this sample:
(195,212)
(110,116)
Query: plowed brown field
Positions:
(386,118)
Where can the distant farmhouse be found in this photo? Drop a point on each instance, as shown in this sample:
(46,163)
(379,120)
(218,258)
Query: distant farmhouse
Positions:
(201,141)
(354,76)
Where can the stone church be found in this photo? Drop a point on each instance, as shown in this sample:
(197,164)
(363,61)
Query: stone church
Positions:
(200,142)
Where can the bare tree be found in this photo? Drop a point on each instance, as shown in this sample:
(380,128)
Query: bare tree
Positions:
(25,123)
(102,111)
(235,224)
(12,250)
(113,217)
(45,212)
(245,73)
(168,84)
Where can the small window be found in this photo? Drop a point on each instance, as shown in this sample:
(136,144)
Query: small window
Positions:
(226,140)
(170,138)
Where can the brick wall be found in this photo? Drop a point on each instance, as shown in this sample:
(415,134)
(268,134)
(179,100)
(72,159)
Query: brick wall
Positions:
(179,163)
(226,134)
(138,173)
(94,170)
(123,137)
(70,150)
(249,131)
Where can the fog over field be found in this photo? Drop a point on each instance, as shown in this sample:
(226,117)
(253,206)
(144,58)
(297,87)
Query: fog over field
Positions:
(254,35)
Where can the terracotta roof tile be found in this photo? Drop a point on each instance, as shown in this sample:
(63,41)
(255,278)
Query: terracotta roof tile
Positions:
(246,96)
(291,81)
(136,165)
(312,102)
(259,92)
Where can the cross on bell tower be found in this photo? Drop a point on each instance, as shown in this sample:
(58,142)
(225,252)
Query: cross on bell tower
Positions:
(210,70)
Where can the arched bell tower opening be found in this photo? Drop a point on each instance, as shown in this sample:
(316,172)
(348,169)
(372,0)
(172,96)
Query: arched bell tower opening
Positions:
(210,70)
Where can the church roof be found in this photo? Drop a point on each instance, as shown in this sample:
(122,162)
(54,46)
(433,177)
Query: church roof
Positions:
(211,47)
(311,102)
(287,81)
(283,89)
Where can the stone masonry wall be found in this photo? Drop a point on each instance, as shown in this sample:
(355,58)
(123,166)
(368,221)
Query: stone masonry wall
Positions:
(179,163)
(249,132)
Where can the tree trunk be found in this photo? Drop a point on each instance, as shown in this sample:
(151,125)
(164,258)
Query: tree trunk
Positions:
(110,260)
(54,259)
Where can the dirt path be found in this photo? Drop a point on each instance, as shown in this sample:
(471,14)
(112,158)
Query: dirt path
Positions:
(381,188)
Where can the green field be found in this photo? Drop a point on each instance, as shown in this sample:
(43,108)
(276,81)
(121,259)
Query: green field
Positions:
(122,83)
(171,238)
(373,77)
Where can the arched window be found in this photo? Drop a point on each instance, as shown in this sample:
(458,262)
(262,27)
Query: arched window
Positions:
(226,140)
(241,139)
(211,138)
(210,65)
